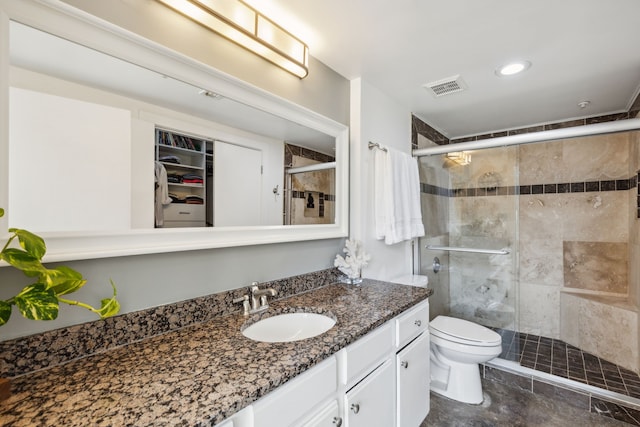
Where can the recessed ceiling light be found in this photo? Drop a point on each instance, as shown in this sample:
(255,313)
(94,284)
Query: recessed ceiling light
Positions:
(513,68)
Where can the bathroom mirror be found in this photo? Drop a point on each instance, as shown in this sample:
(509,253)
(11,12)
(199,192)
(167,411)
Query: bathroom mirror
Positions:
(74,79)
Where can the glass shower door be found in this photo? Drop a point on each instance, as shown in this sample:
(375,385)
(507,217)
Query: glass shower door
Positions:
(469,252)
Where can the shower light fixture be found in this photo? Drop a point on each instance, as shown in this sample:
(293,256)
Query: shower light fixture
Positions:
(245,26)
(460,157)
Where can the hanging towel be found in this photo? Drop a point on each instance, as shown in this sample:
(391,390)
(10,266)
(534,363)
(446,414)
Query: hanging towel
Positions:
(162,193)
(398,216)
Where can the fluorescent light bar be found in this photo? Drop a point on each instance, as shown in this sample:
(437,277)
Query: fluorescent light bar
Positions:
(243,25)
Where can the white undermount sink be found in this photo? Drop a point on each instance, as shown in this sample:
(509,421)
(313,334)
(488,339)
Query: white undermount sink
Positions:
(289,327)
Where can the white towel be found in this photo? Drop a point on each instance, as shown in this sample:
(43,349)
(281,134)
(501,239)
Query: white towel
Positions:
(162,193)
(398,216)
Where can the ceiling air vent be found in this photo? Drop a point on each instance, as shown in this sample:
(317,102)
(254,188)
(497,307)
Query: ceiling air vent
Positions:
(446,86)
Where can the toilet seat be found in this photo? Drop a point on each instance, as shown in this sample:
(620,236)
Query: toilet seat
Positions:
(463,332)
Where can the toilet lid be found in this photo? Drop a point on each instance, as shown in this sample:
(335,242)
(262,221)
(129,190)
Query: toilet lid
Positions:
(462,330)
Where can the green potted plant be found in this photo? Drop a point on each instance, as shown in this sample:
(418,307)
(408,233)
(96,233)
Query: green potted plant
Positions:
(41,299)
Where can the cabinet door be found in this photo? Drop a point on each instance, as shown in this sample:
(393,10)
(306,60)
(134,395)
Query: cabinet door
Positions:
(370,403)
(412,365)
(298,397)
(327,416)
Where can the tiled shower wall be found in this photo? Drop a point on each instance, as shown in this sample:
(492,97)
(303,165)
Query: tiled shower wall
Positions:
(574,247)
(319,185)
(577,203)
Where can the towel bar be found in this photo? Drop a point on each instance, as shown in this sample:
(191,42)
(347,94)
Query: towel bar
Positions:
(373,145)
(473,250)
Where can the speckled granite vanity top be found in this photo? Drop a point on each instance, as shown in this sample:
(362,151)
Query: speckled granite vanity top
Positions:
(201,374)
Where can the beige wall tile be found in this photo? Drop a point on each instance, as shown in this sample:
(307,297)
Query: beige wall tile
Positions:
(541,217)
(610,332)
(595,217)
(541,262)
(599,157)
(596,266)
(539,308)
(604,328)
(541,163)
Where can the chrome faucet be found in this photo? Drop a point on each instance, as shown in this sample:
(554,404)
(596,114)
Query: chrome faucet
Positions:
(259,297)
(256,300)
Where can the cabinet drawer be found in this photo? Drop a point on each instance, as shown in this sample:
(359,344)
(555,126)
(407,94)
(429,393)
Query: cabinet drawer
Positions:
(368,351)
(327,416)
(184,212)
(283,406)
(412,323)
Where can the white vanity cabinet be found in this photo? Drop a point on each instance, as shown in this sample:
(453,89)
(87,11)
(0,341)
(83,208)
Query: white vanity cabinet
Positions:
(381,380)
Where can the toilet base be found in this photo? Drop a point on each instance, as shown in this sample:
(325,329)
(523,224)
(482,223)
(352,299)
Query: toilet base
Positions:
(463,384)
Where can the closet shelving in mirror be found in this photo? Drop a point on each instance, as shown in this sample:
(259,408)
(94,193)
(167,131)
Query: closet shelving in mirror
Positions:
(184,159)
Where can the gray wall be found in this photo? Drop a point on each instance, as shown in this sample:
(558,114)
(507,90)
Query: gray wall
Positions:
(150,280)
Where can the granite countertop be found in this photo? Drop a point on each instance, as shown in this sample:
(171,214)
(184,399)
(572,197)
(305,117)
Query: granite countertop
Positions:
(201,374)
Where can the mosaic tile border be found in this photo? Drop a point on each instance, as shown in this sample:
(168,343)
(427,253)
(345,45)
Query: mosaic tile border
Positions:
(39,351)
(419,127)
(291,150)
(557,188)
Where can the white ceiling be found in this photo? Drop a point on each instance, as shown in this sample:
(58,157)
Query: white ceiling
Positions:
(579,49)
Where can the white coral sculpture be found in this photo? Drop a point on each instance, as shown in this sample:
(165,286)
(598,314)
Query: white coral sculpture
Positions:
(356,258)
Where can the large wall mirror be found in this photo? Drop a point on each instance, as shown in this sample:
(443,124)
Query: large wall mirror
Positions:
(115,146)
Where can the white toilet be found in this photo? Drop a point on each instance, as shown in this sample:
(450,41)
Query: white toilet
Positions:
(457,347)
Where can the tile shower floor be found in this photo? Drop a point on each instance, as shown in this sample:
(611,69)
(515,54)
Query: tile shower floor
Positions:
(564,360)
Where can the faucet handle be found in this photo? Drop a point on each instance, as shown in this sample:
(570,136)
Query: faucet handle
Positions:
(245,303)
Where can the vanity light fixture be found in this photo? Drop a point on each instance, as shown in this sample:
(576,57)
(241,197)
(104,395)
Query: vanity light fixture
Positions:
(460,157)
(245,26)
(512,68)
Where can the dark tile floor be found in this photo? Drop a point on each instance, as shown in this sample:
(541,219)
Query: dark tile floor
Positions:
(509,406)
(564,360)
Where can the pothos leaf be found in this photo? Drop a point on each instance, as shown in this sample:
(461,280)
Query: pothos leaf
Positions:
(110,306)
(63,280)
(36,302)
(22,260)
(30,242)
(5,312)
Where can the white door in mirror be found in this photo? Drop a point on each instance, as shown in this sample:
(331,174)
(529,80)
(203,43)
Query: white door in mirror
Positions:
(289,327)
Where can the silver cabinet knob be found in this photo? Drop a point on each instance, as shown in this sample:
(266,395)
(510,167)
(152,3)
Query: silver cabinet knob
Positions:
(418,323)
(355,408)
(337,421)
(404,364)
